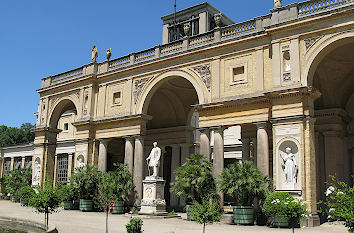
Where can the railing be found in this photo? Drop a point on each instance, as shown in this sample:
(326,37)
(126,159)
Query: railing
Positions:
(145,55)
(171,48)
(316,6)
(67,76)
(119,62)
(201,39)
(238,29)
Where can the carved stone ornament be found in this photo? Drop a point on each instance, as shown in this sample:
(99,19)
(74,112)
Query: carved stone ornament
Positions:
(287,77)
(278,3)
(217,19)
(311,41)
(139,84)
(186,28)
(205,73)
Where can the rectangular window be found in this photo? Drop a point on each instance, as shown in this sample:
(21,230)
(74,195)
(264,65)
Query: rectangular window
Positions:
(7,164)
(18,163)
(238,74)
(117,98)
(28,162)
(62,169)
(66,126)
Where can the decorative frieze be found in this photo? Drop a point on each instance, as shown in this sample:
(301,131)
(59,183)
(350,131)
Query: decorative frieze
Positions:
(139,84)
(311,41)
(204,72)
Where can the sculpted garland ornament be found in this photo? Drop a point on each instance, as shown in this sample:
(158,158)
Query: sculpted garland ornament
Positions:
(139,84)
(205,73)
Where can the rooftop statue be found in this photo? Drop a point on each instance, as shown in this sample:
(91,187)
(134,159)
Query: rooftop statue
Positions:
(94,54)
(108,54)
(277,3)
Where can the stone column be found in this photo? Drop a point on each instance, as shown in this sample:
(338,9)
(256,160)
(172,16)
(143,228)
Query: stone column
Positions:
(129,153)
(245,148)
(23,162)
(205,143)
(70,165)
(12,164)
(333,152)
(184,153)
(218,161)
(262,148)
(55,170)
(174,165)
(102,155)
(138,168)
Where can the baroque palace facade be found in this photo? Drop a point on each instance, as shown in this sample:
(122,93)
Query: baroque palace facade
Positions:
(276,87)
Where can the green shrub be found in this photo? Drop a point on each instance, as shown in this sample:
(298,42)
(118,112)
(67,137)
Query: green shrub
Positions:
(67,192)
(285,205)
(134,226)
(16,179)
(86,180)
(206,212)
(340,203)
(194,180)
(26,193)
(244,182)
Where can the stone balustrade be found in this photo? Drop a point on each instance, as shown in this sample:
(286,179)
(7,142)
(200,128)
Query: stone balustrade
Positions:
(72,74)
(240,29)
(317,6)
(235,31)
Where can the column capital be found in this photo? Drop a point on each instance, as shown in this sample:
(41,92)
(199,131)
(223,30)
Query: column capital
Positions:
(204,130)
(245,140)
(219,128)
(262,124)
(333,133)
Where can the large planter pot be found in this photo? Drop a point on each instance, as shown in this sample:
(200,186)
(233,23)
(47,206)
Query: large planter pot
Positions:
(190,215)
(76,204)
(24,202)
(86,205)
(118,207)
(68,205)
(243,215)
(15,199)
(280,221)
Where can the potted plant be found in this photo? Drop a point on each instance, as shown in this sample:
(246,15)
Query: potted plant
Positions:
(86,180)
(244,182)
(194,182)
(115,185)
(340,202)
(25,194)
(17,178)
(284,209)
(68,195)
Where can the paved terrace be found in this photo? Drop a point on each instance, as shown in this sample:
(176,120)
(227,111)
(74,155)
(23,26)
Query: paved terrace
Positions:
(74,221)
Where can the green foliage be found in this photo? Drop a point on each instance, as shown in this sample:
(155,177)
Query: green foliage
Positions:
(114,185)
(340,203)
(285,205)
(134,226)
(244,182)
(13,135)
(16,179)
(67,192)
(47,200)
(194,180)
(206,212)
(26,193)
(86,180)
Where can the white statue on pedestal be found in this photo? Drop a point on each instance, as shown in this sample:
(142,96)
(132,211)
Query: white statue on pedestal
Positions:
(80,163)
(37,173)
(289,166)
(277,3)
(154,158)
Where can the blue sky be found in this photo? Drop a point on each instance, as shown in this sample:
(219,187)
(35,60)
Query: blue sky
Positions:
(45,37)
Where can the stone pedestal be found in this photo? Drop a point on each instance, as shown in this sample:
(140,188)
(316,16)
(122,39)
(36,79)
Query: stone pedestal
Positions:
(153,196)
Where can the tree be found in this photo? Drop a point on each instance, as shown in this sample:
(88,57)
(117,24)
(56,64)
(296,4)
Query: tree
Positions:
(46,201)
(206,212)
(14,135)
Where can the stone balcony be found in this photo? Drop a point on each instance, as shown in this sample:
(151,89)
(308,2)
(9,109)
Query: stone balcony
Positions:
(293,13)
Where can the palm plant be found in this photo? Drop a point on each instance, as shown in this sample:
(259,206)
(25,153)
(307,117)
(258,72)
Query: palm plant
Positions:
(194,180)
(244,182)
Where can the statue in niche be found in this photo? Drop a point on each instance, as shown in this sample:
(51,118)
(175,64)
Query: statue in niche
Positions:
(154,159)
(80,163)
(37,173)
(94,54)
(277,3)
(289,166)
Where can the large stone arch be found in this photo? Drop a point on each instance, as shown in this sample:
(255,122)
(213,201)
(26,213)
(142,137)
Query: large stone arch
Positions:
(58,106)
(321,49)
(153,84)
